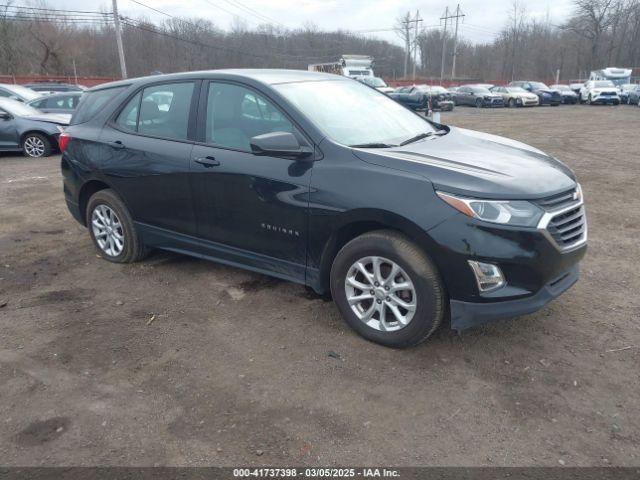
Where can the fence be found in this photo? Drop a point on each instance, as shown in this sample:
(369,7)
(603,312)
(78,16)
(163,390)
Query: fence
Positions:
(86,81)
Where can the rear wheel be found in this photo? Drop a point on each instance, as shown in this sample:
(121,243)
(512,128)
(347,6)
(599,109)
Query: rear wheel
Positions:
(478,103)
(36,145)
(512,102)
(112,230)
(387,289)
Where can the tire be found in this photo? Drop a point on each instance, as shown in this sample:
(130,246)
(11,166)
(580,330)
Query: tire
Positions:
(36,145)
(132,249)
(512,102)
(428,292)
(589,100)
(478,103)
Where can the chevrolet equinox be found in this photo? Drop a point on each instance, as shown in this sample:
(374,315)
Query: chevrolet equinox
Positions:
(321,180)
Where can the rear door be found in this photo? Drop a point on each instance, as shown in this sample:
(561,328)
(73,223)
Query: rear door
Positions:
(147,151)
(256,204)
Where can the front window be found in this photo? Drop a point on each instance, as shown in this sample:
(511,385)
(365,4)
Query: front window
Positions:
(352,114)
(375,82)
(603,84)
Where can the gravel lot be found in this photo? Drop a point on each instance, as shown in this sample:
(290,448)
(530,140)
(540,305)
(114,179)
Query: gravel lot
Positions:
(178,361)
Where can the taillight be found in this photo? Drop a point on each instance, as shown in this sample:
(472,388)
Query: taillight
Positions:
(63,139)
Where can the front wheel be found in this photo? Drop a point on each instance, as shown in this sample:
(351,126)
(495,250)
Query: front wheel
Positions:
(387,289)
(36,145)
(112,230)
(478,103)
(512,102)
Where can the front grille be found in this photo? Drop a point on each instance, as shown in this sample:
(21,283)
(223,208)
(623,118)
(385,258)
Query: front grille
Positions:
(559,200)
(569,227)
(607,94)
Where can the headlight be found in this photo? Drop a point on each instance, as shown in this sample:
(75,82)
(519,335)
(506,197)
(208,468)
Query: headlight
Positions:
(518,213)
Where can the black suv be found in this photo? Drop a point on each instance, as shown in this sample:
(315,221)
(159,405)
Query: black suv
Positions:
(320,180)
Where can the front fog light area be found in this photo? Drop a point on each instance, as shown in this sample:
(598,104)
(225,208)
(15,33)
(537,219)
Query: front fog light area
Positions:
(488,276)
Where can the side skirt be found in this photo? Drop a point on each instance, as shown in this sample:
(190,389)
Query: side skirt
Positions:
(197,247)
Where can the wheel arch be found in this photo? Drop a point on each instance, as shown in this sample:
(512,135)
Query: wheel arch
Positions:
(86,191)
(359,222)
(44,133)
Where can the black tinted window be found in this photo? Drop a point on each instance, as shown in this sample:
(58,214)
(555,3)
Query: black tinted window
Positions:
(128,117)
(235,114)
(164,110)
(92,103)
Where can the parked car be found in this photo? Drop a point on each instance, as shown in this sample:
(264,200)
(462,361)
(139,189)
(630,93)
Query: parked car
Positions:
(575,87)
(17,92)
(633,96)
(488,86)
(57,102)
(403,220)
(477,97)
(50,87)
(516,96)
(416,97)
(22,127)
(569,97)
(624,91)
(546,95)
(376,82)
(600,91)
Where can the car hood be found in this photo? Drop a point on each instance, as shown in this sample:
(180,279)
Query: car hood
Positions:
(605,90)
(550,91)
(478,165)
(58,118)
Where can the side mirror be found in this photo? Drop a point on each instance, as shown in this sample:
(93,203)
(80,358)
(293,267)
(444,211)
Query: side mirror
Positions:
(4,116)
(284,144)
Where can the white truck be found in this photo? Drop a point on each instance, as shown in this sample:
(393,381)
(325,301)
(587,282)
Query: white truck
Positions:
(619,76)
(348,65)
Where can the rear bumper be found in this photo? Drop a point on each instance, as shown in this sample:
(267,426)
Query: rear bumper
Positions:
(467,314)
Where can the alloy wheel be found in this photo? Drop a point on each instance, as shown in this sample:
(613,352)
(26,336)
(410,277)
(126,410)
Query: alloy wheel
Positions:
(380,293)
(34,146)
(107,230)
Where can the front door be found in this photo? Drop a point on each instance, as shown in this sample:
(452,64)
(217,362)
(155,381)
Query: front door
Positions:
(147,154)
(8,132)
(257,205)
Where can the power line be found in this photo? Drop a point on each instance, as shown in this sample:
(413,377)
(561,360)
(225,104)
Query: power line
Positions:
(254,12)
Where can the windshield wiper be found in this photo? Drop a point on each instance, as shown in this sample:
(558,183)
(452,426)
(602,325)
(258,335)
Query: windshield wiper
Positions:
(373,145)
(420,136)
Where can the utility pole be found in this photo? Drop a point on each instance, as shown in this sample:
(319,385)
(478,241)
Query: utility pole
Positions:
(75,72)
(444,42)
(415,43)
(406,26)
(457,16)
(116,21)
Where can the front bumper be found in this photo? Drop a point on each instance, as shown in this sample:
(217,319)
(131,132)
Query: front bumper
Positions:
(535,267)
(467,314)
(605,99)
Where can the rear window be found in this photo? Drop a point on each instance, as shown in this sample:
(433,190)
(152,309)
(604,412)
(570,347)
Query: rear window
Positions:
(92,103)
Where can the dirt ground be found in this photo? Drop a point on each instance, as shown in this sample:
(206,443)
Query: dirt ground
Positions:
(178,361)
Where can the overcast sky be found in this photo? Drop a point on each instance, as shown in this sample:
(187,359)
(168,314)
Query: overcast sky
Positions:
(484,18)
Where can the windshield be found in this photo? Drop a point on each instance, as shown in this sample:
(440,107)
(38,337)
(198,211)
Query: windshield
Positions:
(18,109)
(437,89)
(603,84)
(561,87)
(538,85)
(352,114)
(482,90)
(516,90)
(23,92)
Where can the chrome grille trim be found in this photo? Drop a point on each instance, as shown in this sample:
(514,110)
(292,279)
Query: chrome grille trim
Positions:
(565,228)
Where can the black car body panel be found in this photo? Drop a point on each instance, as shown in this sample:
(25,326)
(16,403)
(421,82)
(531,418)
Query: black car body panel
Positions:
(287,217)
(417,98)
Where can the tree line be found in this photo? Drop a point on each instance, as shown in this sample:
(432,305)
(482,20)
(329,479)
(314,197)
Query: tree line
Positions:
(46,41)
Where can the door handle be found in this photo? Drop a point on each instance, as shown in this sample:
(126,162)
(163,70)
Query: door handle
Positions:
(207,161)
(116,144)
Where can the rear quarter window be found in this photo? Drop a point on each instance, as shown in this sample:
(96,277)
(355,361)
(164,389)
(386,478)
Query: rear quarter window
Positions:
(92,102)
